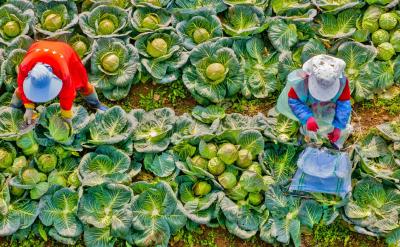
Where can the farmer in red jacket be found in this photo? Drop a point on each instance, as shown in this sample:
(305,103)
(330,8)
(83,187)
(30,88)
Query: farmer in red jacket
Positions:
(51,69)
(318,96)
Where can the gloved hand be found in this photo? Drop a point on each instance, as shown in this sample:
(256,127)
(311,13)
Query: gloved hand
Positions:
(68,121)
(29,116)
(312,124)
(334,135)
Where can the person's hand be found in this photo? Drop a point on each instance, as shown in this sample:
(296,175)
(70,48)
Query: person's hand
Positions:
(312,124)
(29,116)
(68,121)
(334,135)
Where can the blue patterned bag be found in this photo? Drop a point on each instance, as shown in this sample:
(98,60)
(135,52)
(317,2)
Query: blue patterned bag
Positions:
(324,171)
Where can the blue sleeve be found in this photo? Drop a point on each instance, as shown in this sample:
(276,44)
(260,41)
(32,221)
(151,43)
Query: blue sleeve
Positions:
(343,112)
(300,110)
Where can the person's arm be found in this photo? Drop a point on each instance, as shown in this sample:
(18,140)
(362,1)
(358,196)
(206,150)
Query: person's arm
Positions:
(67,94)
(299,108)
(343,108)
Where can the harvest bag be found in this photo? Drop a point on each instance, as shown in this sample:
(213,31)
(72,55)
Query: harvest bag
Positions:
(324,171)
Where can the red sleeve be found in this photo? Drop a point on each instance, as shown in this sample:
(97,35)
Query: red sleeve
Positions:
(292,94)
(346,94)
(68,92)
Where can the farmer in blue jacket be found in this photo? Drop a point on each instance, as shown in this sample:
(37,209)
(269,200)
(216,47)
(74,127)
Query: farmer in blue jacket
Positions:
(318,96)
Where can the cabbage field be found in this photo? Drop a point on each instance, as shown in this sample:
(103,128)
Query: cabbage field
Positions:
(139,176)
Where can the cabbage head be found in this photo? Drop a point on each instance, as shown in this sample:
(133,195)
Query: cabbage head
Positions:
(46,162)
(208,150)
(200,198)
(215,166)
(106,165)
(105,21)
(162,54)
(15,21)
(380,36)
(373,208)
(260,67)
(114,67)
(156,4)
(243,21)
(154,130)
(59,211)
(200,162)
(214,72)
(199,28)
(228,153)
(385,51)
(18,164)
(82,45)
(227,180)
(30,176)
(27,142)
(55,18)
(370,20)
(395,40)
(147,19)
(110,127)
(388,21)
(7,154)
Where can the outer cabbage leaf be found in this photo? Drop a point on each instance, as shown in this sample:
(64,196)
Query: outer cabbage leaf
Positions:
(163,68)
(59,210)
(191,7)
(242,220)
(312,48)
(107,207)
(280,161)
(357,56)
(160,17)
(157,4)
(91,4)
(199,209)
(21,215)
(115,84)
(204,89)
(282,35)
(82,45)
(208,114)
(106,165)
(188,129)
(90,22)
(243,21)
(281,128)
(11,121)
(390,131)
(23,17)
(341,26)
(154,129)
(162,165)
(337,6)
(258,3)
(260,67)
(156,215)
(189,28)
(110,127)
(67,11)
(233,124)
(372,208)
(11,57)
(55,128)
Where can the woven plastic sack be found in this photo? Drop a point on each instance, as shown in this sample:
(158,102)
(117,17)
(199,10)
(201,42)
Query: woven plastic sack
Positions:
(324,171)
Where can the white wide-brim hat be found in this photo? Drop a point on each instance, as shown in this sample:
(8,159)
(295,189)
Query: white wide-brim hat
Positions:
(41,85)
(324,76)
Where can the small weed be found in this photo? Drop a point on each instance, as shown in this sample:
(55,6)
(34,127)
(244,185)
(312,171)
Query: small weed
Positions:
(173,92)
(150,101)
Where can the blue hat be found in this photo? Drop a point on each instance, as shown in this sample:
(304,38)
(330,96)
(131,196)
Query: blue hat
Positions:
(41,85)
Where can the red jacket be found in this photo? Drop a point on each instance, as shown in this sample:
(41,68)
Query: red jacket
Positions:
(66,65)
